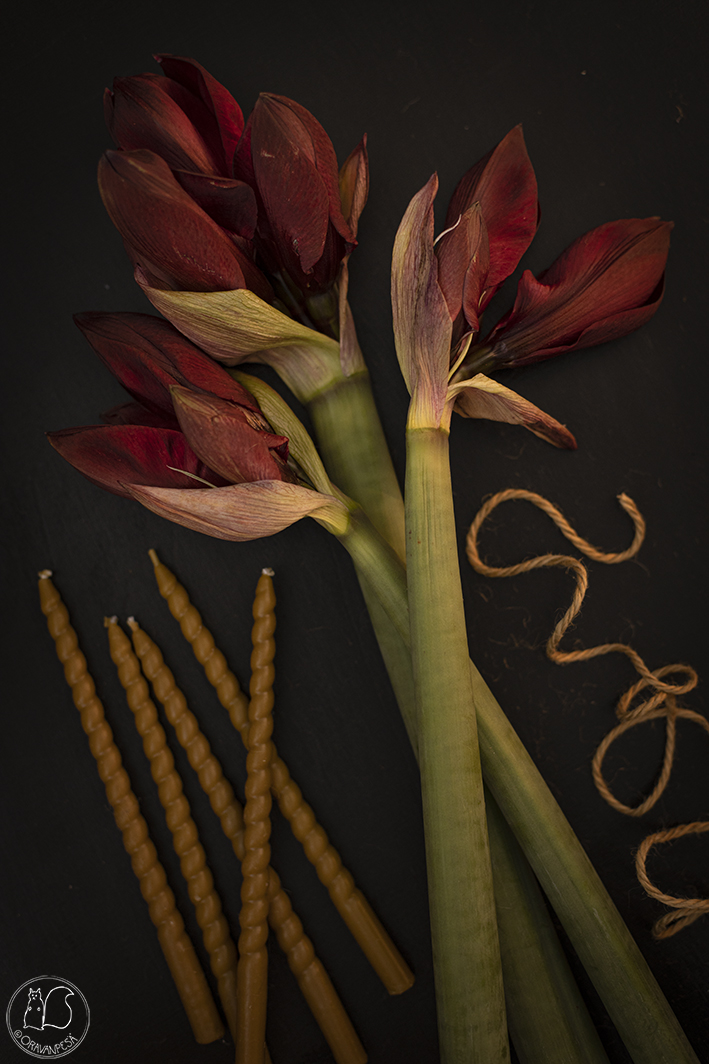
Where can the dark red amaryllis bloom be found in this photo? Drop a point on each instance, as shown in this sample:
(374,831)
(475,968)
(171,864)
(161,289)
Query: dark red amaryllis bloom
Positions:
(440,288)
(606,284)
(492,218)
(150,442)
(194,447)
(278,196)
(193,124)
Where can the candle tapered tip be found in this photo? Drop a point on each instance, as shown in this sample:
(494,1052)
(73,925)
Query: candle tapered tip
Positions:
(152,554)
(44,574)
(133,624)
(108,621)
(268,572)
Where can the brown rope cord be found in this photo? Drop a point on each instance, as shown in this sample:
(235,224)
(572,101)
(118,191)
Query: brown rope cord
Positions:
(687,909)
(662,702)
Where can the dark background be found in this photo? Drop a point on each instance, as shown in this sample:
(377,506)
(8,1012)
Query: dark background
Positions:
(613,99)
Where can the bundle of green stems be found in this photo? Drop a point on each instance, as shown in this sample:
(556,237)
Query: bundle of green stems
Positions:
(497,852)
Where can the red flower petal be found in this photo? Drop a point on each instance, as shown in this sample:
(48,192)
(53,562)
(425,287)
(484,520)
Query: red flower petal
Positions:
(230,439)
(137,414)
(293,193)
(228,202)
(162,223)
(149,356)
(324,158)
(504,184)
(607,283)
(116,456)
(223,106)
(153,112)
(463,263)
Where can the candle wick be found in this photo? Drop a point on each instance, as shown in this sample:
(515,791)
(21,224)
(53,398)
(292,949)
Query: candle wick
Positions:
(44,574)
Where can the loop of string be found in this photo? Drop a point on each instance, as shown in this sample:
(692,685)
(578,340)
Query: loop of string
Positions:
(662,703)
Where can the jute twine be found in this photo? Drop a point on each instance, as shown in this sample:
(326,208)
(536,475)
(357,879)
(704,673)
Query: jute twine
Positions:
(661,703)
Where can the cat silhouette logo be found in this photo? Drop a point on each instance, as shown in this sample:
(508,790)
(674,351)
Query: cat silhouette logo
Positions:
(47,1017)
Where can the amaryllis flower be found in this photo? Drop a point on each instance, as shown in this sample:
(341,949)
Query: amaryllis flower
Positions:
(194,446)
(193,124)
(279,195)
(147,441)
(606,284)
(438,288)
(167,233)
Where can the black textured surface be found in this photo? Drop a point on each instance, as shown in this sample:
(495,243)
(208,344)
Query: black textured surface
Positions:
(614,105)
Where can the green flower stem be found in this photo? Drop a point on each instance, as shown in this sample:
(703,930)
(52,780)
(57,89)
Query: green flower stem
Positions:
(548,1019)
(540,991)
(620,973)
(624,982)
(355,452)
(597,932)
(466,954)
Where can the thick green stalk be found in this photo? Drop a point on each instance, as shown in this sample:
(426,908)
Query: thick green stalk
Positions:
(351,438)
(547,1016)
(607,950)
(624,982)
(466,955)
(620,973)
(537,978)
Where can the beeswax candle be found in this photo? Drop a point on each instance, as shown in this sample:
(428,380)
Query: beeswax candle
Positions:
(313,980)
(174,941)
(349,901)
(193,861)
(252,974)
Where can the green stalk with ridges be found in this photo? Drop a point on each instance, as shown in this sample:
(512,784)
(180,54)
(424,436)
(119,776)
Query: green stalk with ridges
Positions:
(610,955)
(349,431)
(469,993)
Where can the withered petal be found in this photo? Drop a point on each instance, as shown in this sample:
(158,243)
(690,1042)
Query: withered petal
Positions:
(481,397)
(422,323)
(238,512)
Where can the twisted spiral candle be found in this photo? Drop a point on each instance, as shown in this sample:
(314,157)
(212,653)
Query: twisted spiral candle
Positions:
(312,978)
(193,861)
(174,941)
(253,957)
(351,904)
